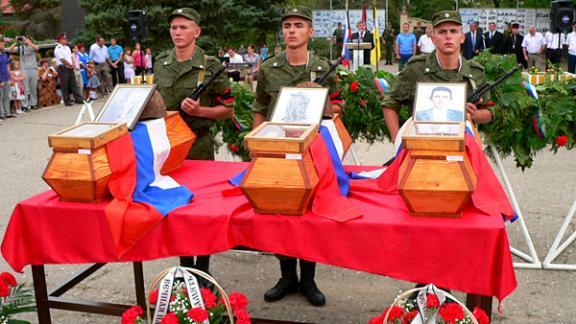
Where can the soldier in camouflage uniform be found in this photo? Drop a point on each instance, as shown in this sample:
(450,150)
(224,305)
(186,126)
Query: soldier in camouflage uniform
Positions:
(444,65)
(289,68)
(388,37)
(177,72)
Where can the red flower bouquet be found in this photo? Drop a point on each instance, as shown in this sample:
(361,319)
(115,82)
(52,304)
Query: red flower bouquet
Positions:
(180,310)
(433,306)
(14,299)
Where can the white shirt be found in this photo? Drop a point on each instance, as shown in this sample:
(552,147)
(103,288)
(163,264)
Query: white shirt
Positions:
(533,43)
(99,54)
(571,42)
(62,52)
(552,40)
(425,44)
(236,59)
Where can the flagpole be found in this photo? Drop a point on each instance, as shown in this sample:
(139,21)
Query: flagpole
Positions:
(330,36)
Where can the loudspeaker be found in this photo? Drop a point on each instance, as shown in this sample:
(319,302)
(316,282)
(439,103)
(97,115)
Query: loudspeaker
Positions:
(561,16)
(137,25)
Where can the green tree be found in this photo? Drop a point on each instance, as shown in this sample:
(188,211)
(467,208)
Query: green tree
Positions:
(223,22)
(39,19)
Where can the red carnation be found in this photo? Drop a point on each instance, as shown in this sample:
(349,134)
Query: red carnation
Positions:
(561,140)
(409,316)
(232,147)
(131,315)
(432,301)
(363,102)
(376,320)
(208,297)
(238,301)
(8,278)
(451,312)
(242,316)
(354,86)
(395,313)
(153,298)
(198,314)
(170,318)
(480,316)
(490,103)
(4,289)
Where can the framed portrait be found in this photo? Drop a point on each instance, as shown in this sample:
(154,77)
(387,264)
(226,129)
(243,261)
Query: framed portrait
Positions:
(300,105)
(126,103)
(440,102)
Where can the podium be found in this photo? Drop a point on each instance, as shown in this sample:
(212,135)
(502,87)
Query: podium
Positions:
(358,53)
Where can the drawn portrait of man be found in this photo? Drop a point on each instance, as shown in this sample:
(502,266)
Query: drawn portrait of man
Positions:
(443,108)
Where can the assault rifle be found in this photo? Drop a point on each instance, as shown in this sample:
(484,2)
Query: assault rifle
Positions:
(477,94)
(197,91)
(323,78)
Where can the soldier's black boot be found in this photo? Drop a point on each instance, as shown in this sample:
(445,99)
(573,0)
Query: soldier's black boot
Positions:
(308,287)
(288,284)
(203,264)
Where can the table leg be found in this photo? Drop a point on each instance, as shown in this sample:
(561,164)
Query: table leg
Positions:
(139,285)
(482,302)
(41,294)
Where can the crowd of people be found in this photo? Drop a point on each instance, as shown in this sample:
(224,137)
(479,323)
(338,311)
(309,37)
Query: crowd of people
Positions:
(533,49)
(71,76)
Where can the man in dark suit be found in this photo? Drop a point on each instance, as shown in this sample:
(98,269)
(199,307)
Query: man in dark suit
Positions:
(494,39)
(513,45)
(364,36)
(473,43)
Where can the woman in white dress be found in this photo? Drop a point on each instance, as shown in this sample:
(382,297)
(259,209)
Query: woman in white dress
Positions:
(128,65)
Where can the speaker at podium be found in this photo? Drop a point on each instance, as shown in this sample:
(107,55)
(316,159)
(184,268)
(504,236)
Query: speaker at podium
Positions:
(358,53)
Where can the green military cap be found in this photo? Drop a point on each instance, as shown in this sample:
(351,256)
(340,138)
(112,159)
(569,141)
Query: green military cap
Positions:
(446,16)
(298,11)
(188,13)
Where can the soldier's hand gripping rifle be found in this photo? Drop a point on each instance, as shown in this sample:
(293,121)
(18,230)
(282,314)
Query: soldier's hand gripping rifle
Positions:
(333,67)
(197,91)
(477,94)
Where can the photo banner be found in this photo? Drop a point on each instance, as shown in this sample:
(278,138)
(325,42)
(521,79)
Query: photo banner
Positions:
(324,27)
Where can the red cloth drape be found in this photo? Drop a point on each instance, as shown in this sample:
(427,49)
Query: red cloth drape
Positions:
(469,254)
(129,221)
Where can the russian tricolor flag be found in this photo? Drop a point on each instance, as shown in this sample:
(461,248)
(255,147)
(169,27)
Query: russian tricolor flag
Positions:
(142,197)
(152,148)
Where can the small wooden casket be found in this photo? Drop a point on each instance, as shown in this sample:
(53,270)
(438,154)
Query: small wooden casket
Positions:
(436,178)
(342,132)
(79,169)
(282,177)
(181,140)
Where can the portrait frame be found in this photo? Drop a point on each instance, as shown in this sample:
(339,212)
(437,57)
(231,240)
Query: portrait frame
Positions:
(126,103)
(448,98)
(300,105)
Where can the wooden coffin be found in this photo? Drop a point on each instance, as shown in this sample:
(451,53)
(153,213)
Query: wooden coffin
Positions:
(436,183)
(342,132)
(181,140)
(539,77)
(423,136)
(281,178)
(79,169)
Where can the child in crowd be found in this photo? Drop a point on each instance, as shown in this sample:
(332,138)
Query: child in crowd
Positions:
(148,60)
(93,81)
(17,89)
(128,65)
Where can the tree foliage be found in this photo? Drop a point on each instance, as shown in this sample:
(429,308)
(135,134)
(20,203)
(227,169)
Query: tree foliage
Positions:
(39,19)
(223,22)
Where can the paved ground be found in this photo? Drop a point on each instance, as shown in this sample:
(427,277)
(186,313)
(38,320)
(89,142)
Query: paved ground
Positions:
(545,193)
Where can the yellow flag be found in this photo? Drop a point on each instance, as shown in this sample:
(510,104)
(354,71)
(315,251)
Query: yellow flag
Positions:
(375,54)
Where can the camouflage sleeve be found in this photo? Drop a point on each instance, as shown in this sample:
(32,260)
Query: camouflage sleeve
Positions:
(402,91)
(262,99)
(220,90)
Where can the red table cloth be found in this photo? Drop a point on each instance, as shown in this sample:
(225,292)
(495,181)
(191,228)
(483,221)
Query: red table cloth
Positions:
(469,254)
